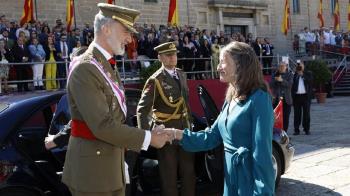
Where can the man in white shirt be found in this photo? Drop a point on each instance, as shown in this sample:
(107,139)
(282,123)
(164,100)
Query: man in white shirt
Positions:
(301,94)
(94,162)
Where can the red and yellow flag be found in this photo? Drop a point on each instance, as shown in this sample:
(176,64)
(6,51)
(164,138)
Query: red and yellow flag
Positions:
(110,1)
(278,111)
(349,16)
(320,14)
(70,14)
(286,18)
(28,10)
(336,16)
(173,16)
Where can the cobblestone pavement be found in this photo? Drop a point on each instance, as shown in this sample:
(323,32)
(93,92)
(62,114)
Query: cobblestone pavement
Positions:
(321,165)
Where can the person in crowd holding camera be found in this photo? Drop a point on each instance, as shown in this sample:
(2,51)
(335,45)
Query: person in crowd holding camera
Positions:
(301,94)
(281,86)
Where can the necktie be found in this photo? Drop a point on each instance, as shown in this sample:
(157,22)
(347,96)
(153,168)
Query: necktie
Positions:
(64,50)
(112,62)
(176,78)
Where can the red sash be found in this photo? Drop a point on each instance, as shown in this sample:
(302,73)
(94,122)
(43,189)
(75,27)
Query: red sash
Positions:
(80,129)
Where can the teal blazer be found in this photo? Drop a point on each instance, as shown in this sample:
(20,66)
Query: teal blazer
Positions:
(246,133)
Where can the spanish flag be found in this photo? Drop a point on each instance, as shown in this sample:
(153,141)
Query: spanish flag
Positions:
(173,16)
(278,111)
(70,14)
(28,10)
(336,16)
(320,15)
(286,18)
(349,16)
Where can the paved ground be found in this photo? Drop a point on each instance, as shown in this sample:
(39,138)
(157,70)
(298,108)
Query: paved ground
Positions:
(321,165)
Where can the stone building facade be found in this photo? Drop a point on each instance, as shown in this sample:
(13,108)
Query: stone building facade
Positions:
(260,17)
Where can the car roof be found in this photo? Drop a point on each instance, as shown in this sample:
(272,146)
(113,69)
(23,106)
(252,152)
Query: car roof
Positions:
(20,106)
(18,97)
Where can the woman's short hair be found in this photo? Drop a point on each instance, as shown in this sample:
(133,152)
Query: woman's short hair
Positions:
(247,75)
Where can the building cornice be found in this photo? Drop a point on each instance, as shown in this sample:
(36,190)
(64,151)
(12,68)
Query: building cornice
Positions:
(243,4)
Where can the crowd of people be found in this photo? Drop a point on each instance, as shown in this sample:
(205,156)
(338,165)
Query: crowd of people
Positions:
(40,53)
(323,39)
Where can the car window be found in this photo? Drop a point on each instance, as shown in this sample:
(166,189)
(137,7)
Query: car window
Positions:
(41,118)
(36,120)
(3,106)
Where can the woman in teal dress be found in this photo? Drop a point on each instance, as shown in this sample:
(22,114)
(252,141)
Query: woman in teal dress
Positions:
(244,125)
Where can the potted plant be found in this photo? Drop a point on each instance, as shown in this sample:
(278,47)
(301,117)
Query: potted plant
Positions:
(321,76)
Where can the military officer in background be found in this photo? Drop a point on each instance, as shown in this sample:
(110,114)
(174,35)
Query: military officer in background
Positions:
(94,164)
(164,100)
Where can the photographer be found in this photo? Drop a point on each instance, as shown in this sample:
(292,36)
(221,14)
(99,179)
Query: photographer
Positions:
(301,94)
(281,86)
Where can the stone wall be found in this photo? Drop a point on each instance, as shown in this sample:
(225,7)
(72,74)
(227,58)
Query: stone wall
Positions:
(266,23)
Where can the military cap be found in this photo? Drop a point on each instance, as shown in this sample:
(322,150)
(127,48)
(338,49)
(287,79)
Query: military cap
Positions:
(125,16)
(168,47)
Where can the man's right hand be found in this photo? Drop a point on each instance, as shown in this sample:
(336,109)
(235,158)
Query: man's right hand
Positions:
(159,138)
(49,143)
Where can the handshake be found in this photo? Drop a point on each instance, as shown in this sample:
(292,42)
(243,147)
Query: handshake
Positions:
(162,135)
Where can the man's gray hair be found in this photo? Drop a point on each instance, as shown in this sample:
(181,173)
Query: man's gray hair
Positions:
(101,20)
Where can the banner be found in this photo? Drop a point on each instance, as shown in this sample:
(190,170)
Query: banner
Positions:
(320,14)
(28,9)
(286,18)
(70,14)
(173,16)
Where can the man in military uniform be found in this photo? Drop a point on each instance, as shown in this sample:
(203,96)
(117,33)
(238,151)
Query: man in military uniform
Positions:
(95,157)
(165,98)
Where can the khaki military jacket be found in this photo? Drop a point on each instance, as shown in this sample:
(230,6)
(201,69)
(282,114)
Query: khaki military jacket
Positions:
(97,165)
(152,102)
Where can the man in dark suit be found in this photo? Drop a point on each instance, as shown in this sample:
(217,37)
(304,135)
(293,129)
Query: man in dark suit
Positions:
(94,163)
(267,56)
(165,97)
(9,43)
(301,93)
(63,50)
(20,54)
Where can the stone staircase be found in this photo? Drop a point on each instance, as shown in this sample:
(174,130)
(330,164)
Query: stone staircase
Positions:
(343,86)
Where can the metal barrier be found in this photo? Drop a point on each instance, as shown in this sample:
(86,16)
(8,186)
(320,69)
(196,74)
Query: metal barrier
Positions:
(134,76)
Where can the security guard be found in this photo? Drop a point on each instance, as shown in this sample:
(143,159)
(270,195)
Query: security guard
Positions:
(165,98)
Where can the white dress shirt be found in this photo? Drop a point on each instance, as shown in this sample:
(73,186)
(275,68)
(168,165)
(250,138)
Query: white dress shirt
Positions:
(107,55)
(301,86)
(172,72)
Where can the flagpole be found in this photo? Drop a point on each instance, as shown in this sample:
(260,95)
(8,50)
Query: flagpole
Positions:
(308,12)
(74,16)
(36,10)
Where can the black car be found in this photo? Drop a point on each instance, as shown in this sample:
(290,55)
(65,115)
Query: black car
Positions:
(26,167)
